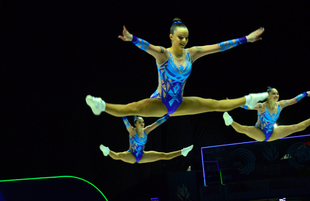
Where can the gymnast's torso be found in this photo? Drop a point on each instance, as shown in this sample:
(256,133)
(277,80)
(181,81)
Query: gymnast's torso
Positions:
(172,76)
(137,144)
(267,119)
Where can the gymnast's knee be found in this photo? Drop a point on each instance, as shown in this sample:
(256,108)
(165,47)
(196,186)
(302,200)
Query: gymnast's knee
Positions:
(118,156)
(220,105)
(121,156)
(242,129)
(299,127)
(133,108)
(164,156)
(214,105)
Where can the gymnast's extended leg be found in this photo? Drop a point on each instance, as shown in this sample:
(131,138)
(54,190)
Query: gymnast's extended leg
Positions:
(150,107)
(251,131)
(153,107)
(152,156)
(283,131)
(197,105)
(123,156)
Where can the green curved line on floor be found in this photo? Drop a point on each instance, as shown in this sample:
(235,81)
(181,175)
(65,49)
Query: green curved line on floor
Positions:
(56,177)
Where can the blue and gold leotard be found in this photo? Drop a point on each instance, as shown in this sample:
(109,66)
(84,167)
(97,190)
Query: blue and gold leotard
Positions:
(136,145)
(266,121)
(171,82)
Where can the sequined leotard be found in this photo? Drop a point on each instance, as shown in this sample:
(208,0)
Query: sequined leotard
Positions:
(266,121)
(171,82)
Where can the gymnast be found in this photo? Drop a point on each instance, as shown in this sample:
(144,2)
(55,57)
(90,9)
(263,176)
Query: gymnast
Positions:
(174,67)
(268,113)
(137,140)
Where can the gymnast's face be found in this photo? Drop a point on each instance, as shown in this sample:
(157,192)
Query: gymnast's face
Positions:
(139,123)
(179,37)
(273,95)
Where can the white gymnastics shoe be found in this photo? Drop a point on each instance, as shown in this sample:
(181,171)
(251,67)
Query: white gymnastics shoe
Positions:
(97,105)
(105,150)
(185,150)
(253,99)
(227,118)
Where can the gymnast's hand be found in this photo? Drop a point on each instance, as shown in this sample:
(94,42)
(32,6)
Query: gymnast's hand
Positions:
(126,35)
(255,35)
(308,92)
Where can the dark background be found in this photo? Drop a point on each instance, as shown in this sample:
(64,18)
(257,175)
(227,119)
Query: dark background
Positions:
(55,53)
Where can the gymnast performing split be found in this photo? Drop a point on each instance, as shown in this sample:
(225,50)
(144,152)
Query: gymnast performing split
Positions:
(174,67)
(137,140)
(268,113)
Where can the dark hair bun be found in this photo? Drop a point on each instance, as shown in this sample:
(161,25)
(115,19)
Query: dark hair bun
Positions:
(176,19)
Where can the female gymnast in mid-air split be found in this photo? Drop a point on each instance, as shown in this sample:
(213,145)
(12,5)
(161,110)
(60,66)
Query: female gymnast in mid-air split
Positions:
(137,140)
(268,113)
(174,67)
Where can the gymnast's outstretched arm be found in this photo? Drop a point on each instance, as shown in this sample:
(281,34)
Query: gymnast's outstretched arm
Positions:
(129,127)
(160,53)
(200,51)
(157,123)
(258,107)
(285,103)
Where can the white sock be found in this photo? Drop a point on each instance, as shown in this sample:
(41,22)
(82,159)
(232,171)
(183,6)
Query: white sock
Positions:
(227,118)
(105,150)
(185,150)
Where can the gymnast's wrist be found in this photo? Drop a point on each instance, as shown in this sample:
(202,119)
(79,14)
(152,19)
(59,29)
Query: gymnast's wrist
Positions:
(243,39)
(305,94)
(244,107)
(134,39)
(163,119)
(301,96)
(167,116)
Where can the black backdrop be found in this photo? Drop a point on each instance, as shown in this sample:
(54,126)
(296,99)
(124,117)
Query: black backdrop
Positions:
(55,53)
